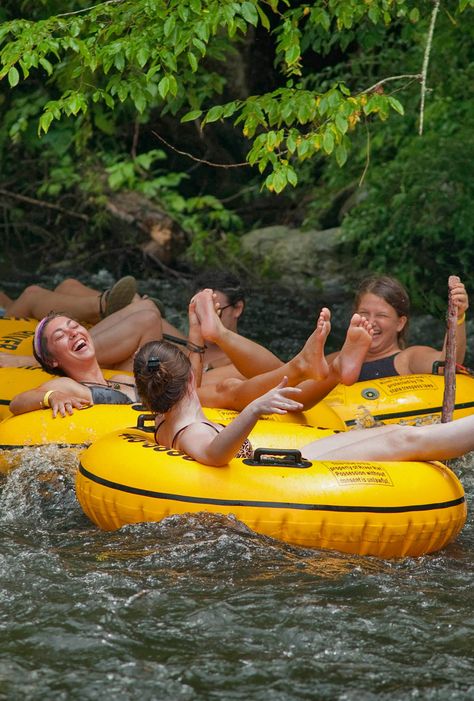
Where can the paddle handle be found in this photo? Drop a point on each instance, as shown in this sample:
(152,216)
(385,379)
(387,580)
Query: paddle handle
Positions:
(449,395)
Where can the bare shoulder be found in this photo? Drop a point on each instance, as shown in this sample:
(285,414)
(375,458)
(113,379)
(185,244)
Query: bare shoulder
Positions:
(416,359)
(121,377)
(196,436)
(63,384)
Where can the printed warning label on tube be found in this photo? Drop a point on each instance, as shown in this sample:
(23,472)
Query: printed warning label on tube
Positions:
(360,473)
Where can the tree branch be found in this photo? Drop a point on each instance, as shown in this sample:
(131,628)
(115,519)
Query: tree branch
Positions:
(414,76)
(426,60)
(200,160)
(86,9)
(42,203)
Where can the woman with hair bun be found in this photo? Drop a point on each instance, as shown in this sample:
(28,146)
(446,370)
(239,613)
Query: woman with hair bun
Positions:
(166,385)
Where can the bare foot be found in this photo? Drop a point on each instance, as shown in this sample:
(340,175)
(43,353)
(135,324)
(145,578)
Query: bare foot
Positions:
(358,339)
(311,359)
(211,325)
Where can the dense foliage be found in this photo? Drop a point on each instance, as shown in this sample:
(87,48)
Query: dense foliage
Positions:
(110,97)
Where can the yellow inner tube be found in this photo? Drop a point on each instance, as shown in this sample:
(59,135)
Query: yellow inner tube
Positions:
(389,509)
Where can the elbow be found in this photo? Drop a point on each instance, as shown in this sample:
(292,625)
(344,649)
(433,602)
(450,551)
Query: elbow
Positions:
(213,461)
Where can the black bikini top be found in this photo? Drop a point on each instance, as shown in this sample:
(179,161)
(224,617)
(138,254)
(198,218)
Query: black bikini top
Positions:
(109,393)
(245,451)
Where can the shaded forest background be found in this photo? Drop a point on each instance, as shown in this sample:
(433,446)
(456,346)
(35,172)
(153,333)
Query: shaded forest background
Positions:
(146,134)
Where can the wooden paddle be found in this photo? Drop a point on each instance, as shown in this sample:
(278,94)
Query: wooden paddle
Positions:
(449,395)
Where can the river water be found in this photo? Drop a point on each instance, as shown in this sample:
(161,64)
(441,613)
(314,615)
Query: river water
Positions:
(201,608)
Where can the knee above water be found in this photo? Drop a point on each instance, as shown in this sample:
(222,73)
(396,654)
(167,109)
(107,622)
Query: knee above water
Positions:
(146,316)
(33,290)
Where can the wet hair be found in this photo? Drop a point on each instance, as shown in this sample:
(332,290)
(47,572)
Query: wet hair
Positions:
(221,281)
(391,291)
(41,351)
(161,373)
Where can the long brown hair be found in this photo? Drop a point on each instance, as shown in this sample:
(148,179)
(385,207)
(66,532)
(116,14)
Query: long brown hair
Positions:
(391,291)
(161,375)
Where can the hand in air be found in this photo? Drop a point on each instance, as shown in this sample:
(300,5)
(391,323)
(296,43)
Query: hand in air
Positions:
(63,403)
(458,294)
(278,400)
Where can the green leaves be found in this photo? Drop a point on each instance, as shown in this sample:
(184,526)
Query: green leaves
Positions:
(13,76)
(148,56)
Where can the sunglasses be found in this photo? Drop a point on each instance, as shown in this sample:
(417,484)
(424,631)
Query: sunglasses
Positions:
(221,309)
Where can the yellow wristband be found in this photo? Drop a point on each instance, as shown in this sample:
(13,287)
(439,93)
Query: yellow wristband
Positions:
(461,319)
(45,401)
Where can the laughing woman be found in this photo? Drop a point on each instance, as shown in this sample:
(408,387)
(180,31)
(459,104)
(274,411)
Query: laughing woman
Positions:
(65,348)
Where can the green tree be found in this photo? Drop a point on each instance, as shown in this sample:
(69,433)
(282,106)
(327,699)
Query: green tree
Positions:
(152,53)
(76,77)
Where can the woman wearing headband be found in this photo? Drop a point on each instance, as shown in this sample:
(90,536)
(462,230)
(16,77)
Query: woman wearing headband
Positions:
(65,348)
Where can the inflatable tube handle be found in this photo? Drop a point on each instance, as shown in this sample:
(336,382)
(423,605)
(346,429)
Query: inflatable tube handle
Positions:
(141,423)
(277,457)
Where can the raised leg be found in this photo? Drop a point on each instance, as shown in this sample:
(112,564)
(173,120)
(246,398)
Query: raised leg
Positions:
(71,286)
(5,300)
(249,358)
(118,337)
(308,363)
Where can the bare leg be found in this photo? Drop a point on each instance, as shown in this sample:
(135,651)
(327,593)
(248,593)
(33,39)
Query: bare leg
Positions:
(248,357)
(118,337)
(71,286)
(433,442)
(37,302)
(309,370)
(308,363)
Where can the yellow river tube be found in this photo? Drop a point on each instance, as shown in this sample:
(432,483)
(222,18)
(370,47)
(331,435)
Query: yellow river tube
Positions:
(403,399)
(389,509)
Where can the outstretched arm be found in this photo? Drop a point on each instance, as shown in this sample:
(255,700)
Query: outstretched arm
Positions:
(217,449)
(421,358)
(62,396)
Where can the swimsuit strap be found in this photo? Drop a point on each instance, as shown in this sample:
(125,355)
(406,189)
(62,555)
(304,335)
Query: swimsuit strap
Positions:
(157,429)
(109,383)
(187,426)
